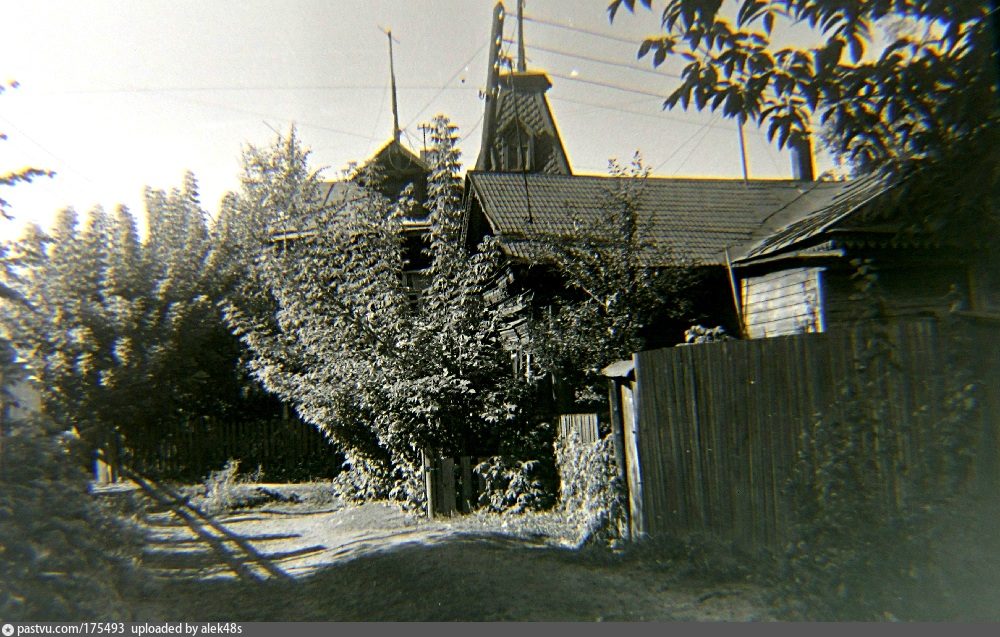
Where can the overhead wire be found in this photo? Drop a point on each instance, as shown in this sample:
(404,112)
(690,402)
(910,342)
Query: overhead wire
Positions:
(570,27)
(686,141)
(445,86)
(609,107)
(701,130)
(617,87)
(597,60)
(272,115)
(20,133)
(474,128)
(704,131)
(378,119)
(226,89)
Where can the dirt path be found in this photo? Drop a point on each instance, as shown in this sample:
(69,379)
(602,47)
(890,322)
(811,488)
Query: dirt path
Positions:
(298,562)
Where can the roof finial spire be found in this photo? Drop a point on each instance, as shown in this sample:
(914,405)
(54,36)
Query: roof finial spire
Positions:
(522,63)
(392,83)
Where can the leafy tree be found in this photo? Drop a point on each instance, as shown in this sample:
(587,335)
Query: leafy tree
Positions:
(382,374)
(108,318)
(931,84)
(59,556)
(919,103)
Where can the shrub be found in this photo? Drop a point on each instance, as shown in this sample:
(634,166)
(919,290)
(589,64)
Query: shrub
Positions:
(512,486)
(362,480)
(591,494)
(855,554)
(699,334)
(61,557)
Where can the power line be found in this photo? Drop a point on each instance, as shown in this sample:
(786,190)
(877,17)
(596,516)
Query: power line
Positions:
(677,149)
(9,124)
(474,128)
(617,87)
(607,62)
(261,114)
(619,109)
(694,147)
(445,85)
(233,89)
(569,27)
(378,119)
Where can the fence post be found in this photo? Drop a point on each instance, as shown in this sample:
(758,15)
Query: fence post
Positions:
(429,483)
(447,486)
(466,484)
(618,442)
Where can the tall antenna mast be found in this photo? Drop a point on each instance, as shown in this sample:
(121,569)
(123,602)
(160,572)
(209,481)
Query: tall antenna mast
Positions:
(522,64)
(392,83)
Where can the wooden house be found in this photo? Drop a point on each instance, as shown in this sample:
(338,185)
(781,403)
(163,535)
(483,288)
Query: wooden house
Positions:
(801,275)
(775,257)
(390,171)
(523,190)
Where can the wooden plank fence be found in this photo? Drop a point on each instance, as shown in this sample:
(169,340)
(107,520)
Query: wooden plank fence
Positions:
(712,432)
(285,449)
(449,486)
(585,425)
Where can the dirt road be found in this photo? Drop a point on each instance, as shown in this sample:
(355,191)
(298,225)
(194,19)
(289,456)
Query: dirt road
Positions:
(298,562)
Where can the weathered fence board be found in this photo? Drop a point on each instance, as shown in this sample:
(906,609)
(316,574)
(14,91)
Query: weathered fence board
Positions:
(713,432)
(446,492)
(283,449)
(585,425)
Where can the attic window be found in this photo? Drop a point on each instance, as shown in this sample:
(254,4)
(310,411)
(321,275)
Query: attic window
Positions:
(517,149)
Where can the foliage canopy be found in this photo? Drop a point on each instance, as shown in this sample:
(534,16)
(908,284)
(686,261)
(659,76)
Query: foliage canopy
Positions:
(384,369)
(932,84)
(109,317)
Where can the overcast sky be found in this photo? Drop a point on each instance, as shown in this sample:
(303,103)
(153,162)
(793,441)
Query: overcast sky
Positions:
(116,95)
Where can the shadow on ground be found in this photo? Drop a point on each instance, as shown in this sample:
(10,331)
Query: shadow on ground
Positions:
(464,578)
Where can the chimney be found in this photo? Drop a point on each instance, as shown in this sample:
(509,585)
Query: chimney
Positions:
(802,159)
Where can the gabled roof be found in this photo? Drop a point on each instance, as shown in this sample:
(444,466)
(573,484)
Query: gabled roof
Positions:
(680,219)
(342,194)
(839,214)
(394,156)
(520,100)
(393,161)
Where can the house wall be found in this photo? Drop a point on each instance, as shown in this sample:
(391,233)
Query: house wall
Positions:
(783,302)
(925,288)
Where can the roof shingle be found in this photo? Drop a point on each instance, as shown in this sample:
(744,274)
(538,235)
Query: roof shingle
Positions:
(851,198)
(680,219)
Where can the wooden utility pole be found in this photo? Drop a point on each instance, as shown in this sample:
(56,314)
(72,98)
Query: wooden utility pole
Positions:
(522,63)
(492,85)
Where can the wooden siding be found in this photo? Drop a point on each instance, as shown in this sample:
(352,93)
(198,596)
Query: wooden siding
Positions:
(922,289)
(717,427)
(782,303)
